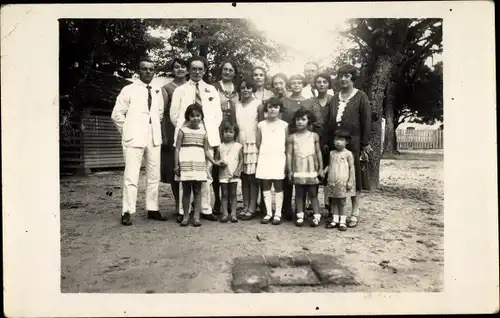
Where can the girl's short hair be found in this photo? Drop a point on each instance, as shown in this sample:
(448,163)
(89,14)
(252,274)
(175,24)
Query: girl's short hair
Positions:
(348,69)
(297,77)
(179,61)
(276,101)
(235,67)
(198,58)
(342,134)
(193,108)
(325,76)
(279,75)
(227,125)
(248,80)
(304,112)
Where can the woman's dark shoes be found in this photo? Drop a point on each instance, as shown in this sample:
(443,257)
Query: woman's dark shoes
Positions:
(209,217)
(126,219)
(156,215)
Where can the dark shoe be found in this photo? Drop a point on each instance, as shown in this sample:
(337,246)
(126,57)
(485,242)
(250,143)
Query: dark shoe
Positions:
(156,215)
(196,223)
(352,222)
(126,219)
(234,219)
(224,219)
(276,220)
(342,227)
(179,218)
(209,217)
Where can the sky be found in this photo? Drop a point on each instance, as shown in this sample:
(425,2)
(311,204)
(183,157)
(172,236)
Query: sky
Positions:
(305,39)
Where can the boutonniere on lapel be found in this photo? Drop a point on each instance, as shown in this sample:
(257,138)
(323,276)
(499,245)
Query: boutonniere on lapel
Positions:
(157,91)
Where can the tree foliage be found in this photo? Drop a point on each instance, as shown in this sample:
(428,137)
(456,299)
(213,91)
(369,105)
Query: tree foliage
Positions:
(107,45)
(392,54)
(218,40)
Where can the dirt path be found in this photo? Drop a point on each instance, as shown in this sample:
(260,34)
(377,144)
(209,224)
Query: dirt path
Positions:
(402,225)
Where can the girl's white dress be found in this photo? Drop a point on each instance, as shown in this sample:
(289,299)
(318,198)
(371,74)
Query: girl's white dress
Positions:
(229,153)
(272,153)
(246,119)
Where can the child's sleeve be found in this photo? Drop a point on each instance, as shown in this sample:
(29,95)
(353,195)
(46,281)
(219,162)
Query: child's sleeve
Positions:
(352,172)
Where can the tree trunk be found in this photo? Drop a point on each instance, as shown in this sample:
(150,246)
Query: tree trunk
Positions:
(384,67)
(390,146)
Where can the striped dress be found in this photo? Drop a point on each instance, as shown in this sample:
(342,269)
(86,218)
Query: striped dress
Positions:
(192,162)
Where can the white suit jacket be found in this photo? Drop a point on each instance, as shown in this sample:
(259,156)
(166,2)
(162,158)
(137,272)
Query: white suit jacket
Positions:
(184,96)
(132,117)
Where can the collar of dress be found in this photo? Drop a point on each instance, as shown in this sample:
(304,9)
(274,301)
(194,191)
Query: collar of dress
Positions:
(344,101)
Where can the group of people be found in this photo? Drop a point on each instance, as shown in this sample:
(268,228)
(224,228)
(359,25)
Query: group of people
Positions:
(196,136)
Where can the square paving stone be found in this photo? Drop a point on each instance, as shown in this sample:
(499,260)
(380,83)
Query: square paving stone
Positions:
(330,271)
(289,276)
(250,279)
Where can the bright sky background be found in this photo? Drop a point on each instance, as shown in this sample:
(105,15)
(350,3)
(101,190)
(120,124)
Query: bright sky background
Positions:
(305,39)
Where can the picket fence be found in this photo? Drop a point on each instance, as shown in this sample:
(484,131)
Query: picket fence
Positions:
(419,139)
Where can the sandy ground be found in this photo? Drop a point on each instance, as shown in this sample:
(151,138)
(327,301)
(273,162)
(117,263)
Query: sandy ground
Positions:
(402,224)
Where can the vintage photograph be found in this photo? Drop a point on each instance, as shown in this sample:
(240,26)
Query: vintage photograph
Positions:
(227,156)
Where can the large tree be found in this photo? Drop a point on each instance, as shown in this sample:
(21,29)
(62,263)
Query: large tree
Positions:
(218,40)
(392,54)
(105,45)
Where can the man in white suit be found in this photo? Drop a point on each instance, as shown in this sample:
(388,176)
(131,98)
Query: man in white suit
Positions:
(197,91)
(310,71)
(137,116)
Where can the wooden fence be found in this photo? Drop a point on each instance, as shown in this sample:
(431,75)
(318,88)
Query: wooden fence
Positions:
(419,139)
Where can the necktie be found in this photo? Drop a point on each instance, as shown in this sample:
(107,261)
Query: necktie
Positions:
(149,100)
(197,98)
(149,97)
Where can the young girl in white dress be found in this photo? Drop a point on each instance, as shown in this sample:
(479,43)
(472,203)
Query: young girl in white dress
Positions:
(231,163)
(191,149)
(341,180)
(271,141)
(246,119)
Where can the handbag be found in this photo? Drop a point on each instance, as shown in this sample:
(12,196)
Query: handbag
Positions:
(365,171)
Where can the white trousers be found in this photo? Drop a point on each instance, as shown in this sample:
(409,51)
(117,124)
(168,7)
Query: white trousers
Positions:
(206,204)
(133,160)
